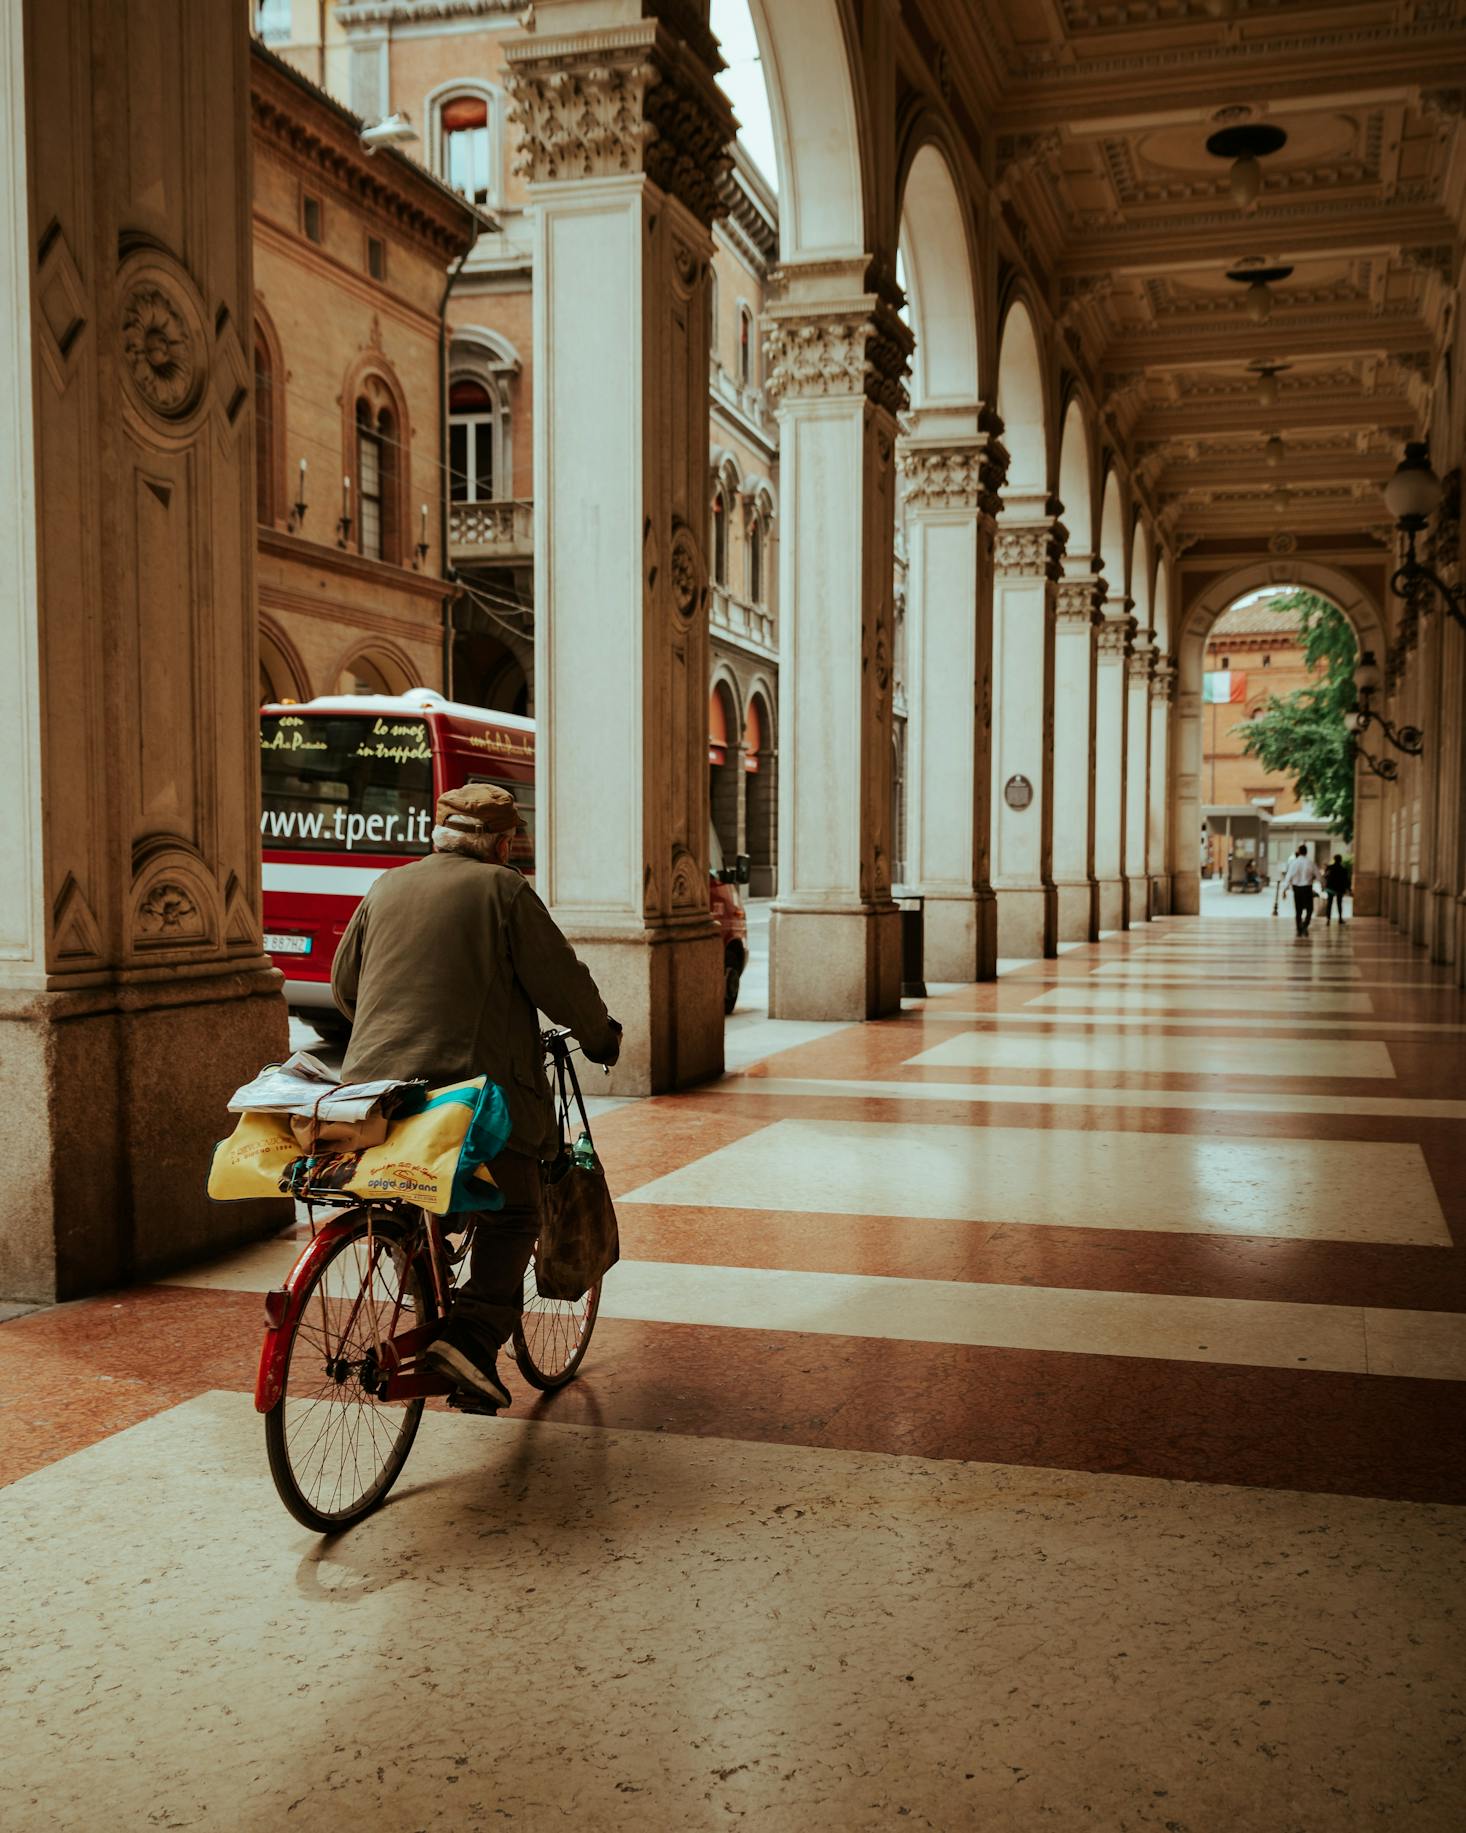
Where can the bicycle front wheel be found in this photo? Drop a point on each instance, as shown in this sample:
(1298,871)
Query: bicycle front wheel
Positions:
(335,1445)
(553,1334)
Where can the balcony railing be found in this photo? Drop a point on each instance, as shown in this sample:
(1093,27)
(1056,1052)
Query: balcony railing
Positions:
(752,623)
(491,531)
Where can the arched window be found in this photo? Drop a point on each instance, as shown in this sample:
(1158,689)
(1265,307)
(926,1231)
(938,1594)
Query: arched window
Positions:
(266,482)
(755,560)
(745,346)
(376,482)
(472,420)
(720,537)
(465,152)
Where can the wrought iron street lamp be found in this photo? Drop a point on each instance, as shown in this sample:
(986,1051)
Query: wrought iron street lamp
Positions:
(1413,495)
(1409,739)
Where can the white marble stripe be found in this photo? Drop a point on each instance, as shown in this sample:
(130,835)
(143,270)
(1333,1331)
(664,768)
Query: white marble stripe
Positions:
(1070,1177)
(1257,1333)
(1145,1054)
(1182,1022)
(1197,997)
(1194,1100)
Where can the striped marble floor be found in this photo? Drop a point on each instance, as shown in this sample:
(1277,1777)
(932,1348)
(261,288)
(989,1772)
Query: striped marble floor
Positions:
(1042,1409)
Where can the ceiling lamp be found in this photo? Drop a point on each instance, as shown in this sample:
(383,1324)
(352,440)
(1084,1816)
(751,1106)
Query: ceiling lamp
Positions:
(1246,144)
(1273,450)
(1267,381)
(1258,279)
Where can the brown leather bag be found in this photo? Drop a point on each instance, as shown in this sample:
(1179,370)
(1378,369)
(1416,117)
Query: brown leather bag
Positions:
(578,1240)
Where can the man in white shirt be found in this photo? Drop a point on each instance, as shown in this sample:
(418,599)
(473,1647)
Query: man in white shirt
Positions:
(1300,877)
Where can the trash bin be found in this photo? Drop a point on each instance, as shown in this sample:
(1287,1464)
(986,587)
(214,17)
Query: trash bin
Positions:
(913,947)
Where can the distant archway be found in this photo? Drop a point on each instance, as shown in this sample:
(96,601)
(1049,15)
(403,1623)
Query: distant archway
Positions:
(725,765)
(761,793)
(1341,588)
(375,668)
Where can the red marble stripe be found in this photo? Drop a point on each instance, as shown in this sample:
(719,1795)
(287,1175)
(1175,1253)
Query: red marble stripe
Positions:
(1087,1259)
(1361,1435)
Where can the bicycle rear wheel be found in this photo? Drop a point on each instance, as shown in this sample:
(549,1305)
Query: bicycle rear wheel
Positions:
(335,1446)
(553,1334)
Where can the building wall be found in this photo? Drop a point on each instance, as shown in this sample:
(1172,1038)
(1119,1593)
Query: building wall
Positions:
(330,332)
(1229,776)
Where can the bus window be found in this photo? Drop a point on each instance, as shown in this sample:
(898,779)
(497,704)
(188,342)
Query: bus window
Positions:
(352,784)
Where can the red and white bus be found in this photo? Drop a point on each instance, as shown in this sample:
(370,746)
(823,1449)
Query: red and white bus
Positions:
(349,783)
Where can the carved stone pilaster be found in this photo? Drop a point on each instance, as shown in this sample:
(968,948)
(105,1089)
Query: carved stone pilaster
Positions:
(1163,680)
(1139,663)
(635,99)
(865,350)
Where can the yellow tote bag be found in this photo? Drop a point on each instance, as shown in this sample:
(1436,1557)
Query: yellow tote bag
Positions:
(434,1158)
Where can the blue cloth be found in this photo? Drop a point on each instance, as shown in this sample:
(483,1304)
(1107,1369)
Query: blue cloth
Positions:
(487,1135)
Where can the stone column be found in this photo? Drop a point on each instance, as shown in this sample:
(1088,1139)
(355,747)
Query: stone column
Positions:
(134,992)
(1445,746)
(1162,686)
(950,504)
(1113,634)
(834,359)
(1185,818)
(1028,553)
(1078,594)
(1137,762)
(623,137)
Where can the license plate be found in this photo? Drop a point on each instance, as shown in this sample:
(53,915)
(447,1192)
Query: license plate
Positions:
(288,945)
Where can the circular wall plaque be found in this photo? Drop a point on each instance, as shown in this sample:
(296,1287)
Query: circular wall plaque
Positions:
(1018,792)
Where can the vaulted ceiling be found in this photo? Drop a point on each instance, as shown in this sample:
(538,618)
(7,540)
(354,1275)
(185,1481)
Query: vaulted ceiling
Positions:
(1103,112)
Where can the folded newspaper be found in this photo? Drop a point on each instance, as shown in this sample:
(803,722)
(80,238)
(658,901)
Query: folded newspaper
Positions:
(304,1085)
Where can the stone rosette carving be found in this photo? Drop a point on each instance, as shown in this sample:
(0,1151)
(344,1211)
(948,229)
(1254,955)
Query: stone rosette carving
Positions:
(630,100)
(687,574)
(168,911)
(837,354)
(162,353)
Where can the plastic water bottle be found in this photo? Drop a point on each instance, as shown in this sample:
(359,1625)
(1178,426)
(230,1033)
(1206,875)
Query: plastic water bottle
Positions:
(583,1154)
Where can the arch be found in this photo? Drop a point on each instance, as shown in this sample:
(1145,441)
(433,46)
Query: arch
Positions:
(725,764)
(1114,544)
(373,403)
(1342,589)
(1022,403)
(810,56)
(1076,478)
(938,263)
(269,375)
(1161,605)
(378,657)
(283,674)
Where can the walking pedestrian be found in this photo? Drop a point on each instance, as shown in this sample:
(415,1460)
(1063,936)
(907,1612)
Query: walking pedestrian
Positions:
(1300,878)
(1336,884)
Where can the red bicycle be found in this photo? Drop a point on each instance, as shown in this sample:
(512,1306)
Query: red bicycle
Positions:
(339,1382)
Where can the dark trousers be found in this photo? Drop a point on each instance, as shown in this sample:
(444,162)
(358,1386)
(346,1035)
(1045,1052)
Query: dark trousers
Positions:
(1302,908)
(490,1300)
(1333,898)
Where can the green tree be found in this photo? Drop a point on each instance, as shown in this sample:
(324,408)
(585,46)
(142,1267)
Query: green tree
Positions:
(1303,733)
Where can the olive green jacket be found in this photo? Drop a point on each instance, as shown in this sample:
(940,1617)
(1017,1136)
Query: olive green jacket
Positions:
(441,971)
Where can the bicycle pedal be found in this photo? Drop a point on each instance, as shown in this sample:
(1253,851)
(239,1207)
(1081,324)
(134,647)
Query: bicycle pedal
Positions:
(462,1402)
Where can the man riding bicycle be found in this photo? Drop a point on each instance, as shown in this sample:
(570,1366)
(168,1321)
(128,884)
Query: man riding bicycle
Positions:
(442,970)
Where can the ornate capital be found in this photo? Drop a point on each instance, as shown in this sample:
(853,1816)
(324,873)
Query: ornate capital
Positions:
(631,100)
(961,474)
(1076,599)
(862,351)
(1115,631)
(1031,550)
(1163,681)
